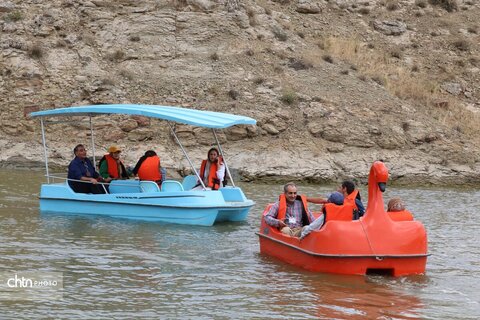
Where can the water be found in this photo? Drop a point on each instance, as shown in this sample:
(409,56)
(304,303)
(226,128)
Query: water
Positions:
(119,269)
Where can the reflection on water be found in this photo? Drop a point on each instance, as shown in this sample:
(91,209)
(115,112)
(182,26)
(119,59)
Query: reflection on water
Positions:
(123,269)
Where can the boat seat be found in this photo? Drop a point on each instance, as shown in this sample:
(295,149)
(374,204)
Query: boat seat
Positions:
(171,185)
(149,186)
(124,186)
(189,182)
(336,212)
(403,215)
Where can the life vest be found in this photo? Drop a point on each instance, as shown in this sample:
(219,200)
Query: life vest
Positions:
(350,199)
(112,166)
(149,169)
(213,181)
(336,212)
(403,215)
(282,208)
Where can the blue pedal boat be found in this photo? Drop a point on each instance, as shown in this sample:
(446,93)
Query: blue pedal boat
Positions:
(174,202)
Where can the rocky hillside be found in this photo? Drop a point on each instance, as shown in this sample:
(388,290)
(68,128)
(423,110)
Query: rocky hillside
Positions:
(334,85)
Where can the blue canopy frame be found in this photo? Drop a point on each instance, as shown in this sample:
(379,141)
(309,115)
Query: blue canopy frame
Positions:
(199,118)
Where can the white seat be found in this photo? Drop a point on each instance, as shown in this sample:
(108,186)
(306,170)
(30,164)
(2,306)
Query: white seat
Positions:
(171,185)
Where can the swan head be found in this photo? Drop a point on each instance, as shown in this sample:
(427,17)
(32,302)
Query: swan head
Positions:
(380,174)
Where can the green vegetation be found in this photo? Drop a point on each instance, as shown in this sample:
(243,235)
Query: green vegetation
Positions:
(289,97)
(14,16)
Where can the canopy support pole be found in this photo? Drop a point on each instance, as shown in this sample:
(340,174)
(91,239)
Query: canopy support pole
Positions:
(186,155)
(224,161)
(45,152)
(93,142)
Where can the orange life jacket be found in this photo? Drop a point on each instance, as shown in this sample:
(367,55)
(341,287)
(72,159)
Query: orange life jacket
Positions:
(213,181)
(336,212)
(350,199)
(403,215)
(150,169)
(112,166)
(282,208)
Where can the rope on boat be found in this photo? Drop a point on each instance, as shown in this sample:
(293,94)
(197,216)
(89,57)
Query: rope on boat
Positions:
(369,243)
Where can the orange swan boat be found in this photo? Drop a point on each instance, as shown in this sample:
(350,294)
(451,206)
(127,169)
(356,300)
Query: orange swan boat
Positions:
(374,244)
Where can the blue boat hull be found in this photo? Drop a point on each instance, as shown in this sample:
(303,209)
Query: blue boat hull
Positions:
(202,208)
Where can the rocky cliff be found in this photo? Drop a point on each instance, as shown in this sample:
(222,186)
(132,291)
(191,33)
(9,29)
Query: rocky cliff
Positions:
(334,85)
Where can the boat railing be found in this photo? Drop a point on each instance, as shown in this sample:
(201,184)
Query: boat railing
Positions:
(55,178)
(58,178)
(115,186)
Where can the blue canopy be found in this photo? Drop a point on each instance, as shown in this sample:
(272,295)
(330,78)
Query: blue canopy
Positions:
(200,118)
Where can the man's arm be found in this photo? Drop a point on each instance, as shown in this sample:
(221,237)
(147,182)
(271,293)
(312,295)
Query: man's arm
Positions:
(74,171)
(221,171)
(310,215)
(104,169)
(271,217)
(361,208)
(317,200)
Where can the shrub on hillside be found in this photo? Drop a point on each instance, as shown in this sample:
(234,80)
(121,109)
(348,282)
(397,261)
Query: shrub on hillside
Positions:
(421,3)
(288,97)
(462,45)
(279,33)
(449,5)
(14,16)
(35,51)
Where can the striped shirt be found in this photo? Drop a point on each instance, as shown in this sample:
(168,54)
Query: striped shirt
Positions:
(293,216)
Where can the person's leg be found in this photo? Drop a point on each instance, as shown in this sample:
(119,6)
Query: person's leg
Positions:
(79,187)
(287,231)
(296,231)
(315,225)
(97,189)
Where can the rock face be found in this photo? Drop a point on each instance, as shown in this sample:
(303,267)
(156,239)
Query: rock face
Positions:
(324,111)
(390,28)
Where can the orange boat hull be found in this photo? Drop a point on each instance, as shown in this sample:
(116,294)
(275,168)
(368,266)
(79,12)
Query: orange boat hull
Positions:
(298,253)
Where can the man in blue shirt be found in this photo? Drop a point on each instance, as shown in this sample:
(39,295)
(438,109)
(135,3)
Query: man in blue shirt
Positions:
(81,169)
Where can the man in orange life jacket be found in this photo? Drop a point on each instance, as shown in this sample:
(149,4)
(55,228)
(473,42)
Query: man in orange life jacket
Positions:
(352,196)
(111,167)
(290,213)
(148,167)
(212,171)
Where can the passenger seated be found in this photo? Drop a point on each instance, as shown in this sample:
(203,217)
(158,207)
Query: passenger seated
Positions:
(352,196)
(81,168)
(149,168)
(111,166)
(397,212)
(290,213)
(212,171)
(335,199)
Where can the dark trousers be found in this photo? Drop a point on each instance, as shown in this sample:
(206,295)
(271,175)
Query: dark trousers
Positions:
(86,187)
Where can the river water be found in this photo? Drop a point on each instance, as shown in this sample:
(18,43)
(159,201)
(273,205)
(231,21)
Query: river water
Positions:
(120,269)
